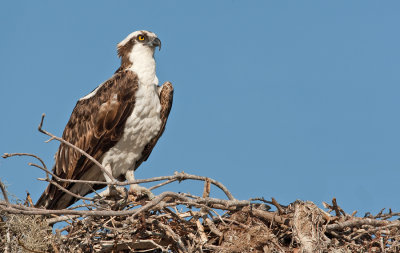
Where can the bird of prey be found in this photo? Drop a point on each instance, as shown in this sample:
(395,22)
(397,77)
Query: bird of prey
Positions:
(118,124)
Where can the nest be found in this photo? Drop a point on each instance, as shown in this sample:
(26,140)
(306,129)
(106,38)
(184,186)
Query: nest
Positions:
(179,222)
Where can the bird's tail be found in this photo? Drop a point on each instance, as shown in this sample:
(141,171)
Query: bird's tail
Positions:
(43,201)
(54,198)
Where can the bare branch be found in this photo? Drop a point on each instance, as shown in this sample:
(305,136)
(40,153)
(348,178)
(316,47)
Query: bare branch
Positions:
(7,155)
(18,209)
(3,190)
(162,184)
(53,137)
(358,222)
(144,226)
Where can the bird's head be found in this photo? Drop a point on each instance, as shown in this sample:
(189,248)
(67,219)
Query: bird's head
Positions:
(137,45)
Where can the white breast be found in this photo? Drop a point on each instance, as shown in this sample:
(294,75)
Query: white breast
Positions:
(141,126)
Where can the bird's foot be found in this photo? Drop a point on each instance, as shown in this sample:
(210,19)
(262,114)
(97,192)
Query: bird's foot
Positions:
(112,192)
(137,192)
(112,197)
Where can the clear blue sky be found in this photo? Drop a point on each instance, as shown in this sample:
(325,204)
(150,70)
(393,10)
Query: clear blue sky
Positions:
(285,99)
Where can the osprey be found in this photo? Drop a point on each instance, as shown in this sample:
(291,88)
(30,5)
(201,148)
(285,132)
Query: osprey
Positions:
(118,124)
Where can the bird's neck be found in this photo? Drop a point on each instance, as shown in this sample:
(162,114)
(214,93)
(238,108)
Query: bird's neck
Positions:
(144,65)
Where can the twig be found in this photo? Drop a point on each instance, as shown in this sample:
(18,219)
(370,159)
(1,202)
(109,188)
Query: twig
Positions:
(4,192)
(206,190)
(272,217)
(17,209)
(357,222)
(67,191)
(171,233)
(200,229)
(262,200)
(162,184)
(74,147)
(26,248)
(28,200)
(277,205)
(335,207)
(181,176)
(7,155)
(55,220)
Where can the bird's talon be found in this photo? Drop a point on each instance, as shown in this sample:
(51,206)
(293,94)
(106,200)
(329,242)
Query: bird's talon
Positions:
(137,192)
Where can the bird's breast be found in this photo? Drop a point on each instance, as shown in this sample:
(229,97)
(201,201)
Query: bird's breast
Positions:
(141,127)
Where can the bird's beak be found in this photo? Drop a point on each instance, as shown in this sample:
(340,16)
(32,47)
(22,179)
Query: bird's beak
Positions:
(156,43)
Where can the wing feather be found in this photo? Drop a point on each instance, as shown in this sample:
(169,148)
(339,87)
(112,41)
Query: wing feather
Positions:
(166,98)
(95,125)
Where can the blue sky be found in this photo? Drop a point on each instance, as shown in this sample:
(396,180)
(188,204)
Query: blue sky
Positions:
(285,99)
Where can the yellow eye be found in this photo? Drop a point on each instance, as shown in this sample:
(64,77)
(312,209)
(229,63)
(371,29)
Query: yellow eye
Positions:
(140,38)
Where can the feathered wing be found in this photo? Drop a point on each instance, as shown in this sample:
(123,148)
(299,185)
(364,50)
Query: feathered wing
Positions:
(96,124)
(166,97)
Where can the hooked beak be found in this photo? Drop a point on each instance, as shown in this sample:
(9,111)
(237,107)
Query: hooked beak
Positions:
(156,43)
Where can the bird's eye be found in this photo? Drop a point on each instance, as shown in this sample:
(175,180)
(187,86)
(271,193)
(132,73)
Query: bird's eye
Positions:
(141,37)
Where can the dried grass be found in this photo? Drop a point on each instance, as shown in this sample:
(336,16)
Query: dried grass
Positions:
(24,233)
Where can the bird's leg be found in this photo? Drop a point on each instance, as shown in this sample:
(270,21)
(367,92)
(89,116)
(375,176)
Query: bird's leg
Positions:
(136,190)
(111,190)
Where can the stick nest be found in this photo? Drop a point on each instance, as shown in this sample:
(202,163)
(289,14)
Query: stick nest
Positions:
(179,222)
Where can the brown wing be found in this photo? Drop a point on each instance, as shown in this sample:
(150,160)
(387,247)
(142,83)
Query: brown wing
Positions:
(166,97)
(95,125)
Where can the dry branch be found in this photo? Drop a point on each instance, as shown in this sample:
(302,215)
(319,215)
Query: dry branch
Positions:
(178,222)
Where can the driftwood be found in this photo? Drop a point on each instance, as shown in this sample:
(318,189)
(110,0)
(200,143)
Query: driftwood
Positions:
(181,222)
